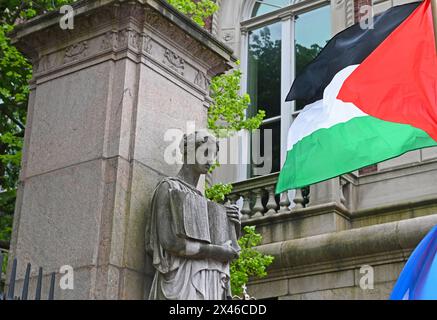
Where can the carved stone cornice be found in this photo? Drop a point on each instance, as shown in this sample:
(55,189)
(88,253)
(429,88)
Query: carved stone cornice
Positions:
(119,28)
(169,30)
(43,36)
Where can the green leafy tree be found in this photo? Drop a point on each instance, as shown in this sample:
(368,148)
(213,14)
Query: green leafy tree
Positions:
(218,192)
(265,54)
(251,262)
(304,55)
(198,10)
(227,115)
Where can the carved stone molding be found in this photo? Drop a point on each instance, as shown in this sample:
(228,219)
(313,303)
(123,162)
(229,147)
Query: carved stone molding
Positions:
(107,41)
(122,28)
(147,44)
(229,35)
(173,33)
(75,52)
(142,43)
(201,80)
(174,61)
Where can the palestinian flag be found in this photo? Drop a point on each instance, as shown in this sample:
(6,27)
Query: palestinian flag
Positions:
(371,95)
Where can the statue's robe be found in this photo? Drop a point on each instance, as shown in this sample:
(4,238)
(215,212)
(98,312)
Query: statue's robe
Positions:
(194,218)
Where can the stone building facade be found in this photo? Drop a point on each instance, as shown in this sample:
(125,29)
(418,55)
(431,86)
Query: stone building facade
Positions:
(326,239)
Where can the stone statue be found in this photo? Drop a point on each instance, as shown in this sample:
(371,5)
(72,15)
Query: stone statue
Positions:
(191,239)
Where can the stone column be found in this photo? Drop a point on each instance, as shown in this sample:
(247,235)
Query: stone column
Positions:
(102,97)
(328,191)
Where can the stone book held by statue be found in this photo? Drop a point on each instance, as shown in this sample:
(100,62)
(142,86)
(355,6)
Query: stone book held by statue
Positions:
(208,221)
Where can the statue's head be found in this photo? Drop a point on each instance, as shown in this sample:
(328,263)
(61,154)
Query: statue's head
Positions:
(199,150)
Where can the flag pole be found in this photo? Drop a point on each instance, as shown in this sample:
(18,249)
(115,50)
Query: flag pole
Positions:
(434,19)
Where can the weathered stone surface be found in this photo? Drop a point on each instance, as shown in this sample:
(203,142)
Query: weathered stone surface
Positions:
(102,98)
(307,223)
(181,105)
(60,217)
(382,273)
(409,157)
(321,281)
(276,288)
(380,292)
(394,186)
(68,123)
(132,285)
(319,267)
(144,181)
(429,154)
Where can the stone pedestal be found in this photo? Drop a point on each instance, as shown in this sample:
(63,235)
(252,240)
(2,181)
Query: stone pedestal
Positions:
(102,97)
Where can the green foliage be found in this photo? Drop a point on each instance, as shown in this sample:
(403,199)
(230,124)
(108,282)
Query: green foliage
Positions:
(264,60)
(15,72)
(306,55)
(218,192)
(227,113)
(5,235)
(198,11)
(251,262)
(226,116)
(6,227)
(13,11)
(4,267)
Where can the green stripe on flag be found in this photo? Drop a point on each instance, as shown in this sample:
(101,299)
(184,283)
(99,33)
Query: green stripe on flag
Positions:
(346,147)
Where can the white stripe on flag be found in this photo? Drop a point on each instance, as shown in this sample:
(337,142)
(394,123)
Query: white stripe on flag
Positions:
(324,113)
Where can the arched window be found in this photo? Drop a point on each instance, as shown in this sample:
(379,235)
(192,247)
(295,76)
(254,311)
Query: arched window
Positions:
(265,6)
(281,39)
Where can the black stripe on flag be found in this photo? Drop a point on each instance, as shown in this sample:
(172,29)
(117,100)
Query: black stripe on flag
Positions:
(349,47)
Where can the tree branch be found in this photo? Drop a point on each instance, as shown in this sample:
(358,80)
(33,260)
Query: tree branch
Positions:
(17,122)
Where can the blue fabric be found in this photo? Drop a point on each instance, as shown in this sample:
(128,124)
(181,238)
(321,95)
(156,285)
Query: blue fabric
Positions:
(418,280)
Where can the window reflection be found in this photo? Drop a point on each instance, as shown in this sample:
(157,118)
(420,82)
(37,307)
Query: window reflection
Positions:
(266,6)
(273,158)
(312,32)
(264,72)
(264,82)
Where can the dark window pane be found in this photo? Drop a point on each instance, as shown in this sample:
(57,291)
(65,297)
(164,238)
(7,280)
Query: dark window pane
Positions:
(273,157)
(312,32)
(264,70)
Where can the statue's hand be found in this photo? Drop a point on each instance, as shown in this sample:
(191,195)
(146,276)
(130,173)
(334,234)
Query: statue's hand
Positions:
(225,253)
(233,214)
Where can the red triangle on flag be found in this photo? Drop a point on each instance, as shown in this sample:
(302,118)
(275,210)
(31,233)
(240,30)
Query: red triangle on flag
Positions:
(397,82)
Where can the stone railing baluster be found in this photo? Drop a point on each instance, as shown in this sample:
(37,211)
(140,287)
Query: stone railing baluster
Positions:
(245,211)
(258,199)
(298,199)
(284,203)
(258,208)
(271,205)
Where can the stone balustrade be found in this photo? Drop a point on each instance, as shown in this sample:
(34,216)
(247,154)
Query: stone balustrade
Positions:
(258,199)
